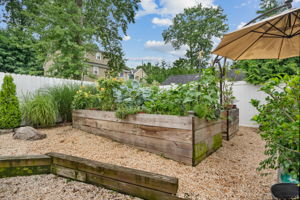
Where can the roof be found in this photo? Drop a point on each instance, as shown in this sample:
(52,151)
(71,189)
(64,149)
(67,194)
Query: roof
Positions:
(180,79)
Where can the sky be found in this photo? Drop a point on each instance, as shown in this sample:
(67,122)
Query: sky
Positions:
(144,43)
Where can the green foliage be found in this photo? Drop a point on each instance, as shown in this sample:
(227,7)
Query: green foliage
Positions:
(63,96)
(130,98)
(86,98)
(260,71)
(279,120)
(17,54)
(267,5)
(39,110)
(10,115)
(161,71)
(122,112)
(196,27)
(200,95)
(69,29)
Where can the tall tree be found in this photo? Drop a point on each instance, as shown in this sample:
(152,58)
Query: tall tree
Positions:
(196,27)
(17,55)
(267,5)
(69,29)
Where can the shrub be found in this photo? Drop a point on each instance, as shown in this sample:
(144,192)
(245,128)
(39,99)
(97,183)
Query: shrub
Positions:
(279,120)
(63,96)
(39,110)
(10,115)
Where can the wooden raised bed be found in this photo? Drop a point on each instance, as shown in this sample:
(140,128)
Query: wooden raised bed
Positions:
(230,125)
(185,139)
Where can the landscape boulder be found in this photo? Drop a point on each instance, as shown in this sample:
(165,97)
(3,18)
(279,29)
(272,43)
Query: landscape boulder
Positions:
(28,133)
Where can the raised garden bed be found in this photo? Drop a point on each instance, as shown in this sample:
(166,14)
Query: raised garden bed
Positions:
(230,124)
(186,139)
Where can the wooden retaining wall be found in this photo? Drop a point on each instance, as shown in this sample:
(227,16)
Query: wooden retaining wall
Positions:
(230,125)
(134,182)
(24,165)
(182,138)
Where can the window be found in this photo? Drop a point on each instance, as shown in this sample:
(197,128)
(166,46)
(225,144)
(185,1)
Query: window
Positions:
(121,74)
(98,56)
(96,70)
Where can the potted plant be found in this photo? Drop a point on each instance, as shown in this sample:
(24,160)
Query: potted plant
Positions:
(279,120)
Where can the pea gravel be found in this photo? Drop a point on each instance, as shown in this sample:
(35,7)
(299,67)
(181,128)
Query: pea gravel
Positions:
(229,173)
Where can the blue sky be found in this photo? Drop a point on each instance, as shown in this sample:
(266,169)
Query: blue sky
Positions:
(144,42)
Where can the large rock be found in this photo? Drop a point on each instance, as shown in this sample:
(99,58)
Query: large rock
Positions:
(28,133)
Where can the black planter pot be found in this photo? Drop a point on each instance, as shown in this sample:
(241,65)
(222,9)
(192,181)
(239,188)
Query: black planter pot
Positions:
(285,191)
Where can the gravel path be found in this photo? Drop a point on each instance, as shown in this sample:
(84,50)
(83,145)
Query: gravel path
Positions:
(229,173)
(51,187)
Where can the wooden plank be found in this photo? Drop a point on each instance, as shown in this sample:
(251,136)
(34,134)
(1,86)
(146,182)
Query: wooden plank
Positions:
(24,160)
(208,132)
(168,121)
(201,123)
(24,171)
(127,188)
(164,146)
(128,175)
(68,173)
(171,134)
(182,159)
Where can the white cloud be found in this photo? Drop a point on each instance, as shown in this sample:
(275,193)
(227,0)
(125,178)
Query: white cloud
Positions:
(241,25)
(161,47)
(162,21)
(169,7)
(126,37)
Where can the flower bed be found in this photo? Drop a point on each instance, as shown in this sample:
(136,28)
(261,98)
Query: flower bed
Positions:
(186,139)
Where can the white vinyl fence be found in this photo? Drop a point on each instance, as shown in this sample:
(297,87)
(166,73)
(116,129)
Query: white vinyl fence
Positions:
(244,92)
(28,84)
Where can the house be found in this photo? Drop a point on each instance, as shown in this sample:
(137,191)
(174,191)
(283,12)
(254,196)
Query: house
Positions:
(136,74)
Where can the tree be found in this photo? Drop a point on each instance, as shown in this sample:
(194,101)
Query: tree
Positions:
(17,54)
(196,27)
(260,71)
(267,5)
(69,29)
(10,114)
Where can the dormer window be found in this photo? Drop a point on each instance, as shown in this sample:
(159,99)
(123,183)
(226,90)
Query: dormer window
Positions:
(98,56)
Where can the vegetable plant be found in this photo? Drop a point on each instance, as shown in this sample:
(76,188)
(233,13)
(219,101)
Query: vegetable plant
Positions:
(279,120)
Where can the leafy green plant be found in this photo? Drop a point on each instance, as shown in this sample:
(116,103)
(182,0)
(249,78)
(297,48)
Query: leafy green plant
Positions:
(63,96)
(10,115)
(106,94)
(87,97)
(39,110)
(279,120)
(122,112)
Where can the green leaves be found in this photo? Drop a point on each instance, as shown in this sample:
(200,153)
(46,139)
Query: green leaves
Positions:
(10,115)
(279,120)
(196,27)
(260,71)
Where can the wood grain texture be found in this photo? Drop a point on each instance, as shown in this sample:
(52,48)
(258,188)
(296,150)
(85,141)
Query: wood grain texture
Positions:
(168,121)
(25,160)
(123,174)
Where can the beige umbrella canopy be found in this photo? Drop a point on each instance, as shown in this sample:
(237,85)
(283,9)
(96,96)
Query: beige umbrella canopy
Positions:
(276,37)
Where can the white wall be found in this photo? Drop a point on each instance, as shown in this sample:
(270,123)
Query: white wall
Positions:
(244,92)
(27,84)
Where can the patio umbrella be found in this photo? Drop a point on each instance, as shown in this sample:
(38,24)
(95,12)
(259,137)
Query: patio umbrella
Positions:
(276,37)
